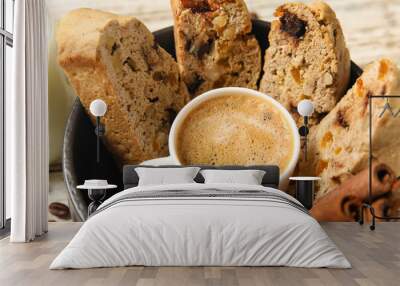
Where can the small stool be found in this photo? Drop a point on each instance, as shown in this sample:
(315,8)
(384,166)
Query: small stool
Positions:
(96,192)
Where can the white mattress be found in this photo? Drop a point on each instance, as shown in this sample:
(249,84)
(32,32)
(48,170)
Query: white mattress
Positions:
(200,231)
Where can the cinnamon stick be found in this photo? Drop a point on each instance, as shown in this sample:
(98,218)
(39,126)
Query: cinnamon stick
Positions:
(344,202)
(387,206)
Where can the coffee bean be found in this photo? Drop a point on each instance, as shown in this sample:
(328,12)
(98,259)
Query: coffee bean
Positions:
(60,210)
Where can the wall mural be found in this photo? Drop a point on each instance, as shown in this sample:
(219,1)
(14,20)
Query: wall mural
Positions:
(146,79)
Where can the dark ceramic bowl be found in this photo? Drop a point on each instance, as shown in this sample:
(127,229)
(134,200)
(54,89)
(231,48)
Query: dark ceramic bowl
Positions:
(79,152)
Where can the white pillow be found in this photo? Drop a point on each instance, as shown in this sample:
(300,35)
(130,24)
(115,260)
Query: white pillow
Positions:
(163,176)
(248,177)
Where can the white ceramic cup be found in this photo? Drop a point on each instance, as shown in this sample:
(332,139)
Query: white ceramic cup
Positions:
(284,174)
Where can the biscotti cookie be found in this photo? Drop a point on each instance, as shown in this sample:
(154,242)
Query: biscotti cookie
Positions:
(115,58)
(338,146)
(214,47)
(307,58)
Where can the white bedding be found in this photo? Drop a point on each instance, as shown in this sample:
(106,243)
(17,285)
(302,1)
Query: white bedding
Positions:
(200,231)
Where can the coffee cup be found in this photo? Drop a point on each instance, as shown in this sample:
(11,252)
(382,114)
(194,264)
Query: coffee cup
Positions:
(235,126)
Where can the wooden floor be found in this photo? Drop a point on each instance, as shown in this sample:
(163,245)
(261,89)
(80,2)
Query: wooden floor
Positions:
(375,257)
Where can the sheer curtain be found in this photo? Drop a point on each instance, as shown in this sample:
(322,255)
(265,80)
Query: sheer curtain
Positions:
(27,124)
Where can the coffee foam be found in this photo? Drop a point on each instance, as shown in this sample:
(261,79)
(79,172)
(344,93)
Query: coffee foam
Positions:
(235,129)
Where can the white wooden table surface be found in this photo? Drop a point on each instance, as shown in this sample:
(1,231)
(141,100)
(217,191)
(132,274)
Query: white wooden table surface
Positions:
(371,27)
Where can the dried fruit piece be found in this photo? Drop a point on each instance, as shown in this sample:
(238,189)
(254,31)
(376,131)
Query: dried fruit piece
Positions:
(200,46)
(154,99)
(220,82)
(296,75)
(194,85)
(360,87)
(204,48)
(188,44)
(159,75)
(336,180)
(327,139)
(292,25)
(321,166)
(303,96)
(338,150)
(172,78)
(383,69)
(349,149)
(197,6)
(341,119)
(114,47)
(383,90)
(131,64)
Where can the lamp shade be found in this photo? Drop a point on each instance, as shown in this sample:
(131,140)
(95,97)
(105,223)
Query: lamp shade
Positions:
(305,108)
(98,107)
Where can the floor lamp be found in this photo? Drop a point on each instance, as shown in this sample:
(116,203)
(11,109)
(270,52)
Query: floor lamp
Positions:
(305,108)
(98,108)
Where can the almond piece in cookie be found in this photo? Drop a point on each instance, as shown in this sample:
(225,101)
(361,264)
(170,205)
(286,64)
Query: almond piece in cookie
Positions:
(115,58)
(214,45)
(307,58)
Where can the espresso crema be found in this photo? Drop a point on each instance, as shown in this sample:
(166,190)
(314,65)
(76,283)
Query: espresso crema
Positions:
(235,129)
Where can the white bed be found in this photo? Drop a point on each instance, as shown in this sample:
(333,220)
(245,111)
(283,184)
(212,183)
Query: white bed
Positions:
(185,230)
